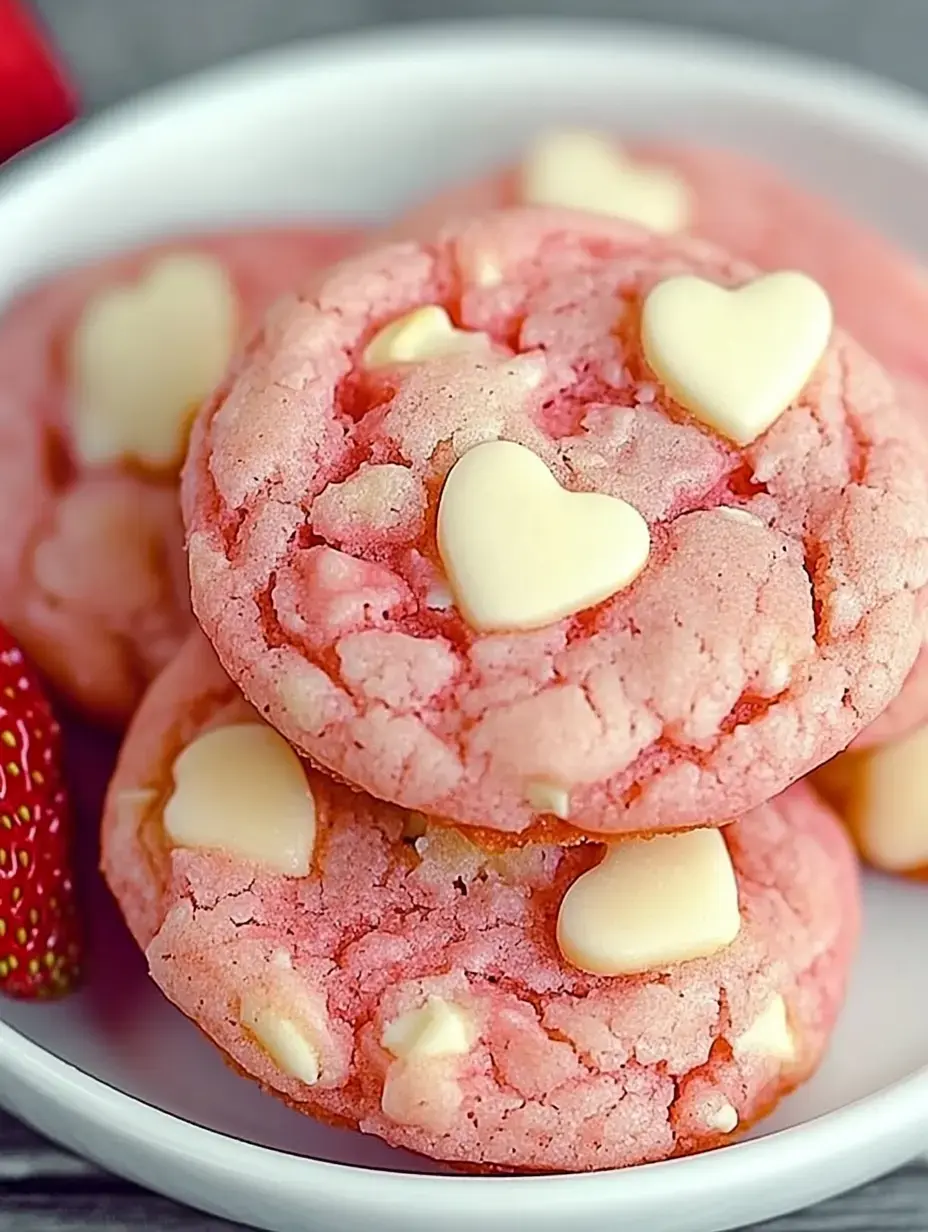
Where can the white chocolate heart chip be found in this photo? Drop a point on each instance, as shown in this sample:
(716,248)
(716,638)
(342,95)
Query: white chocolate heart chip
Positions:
(243,790)
(586,171)
(768,1035)
(520,551)
(649,903)
(144,356)
(546,797)
(282,1040)
(736,359)
(425,333)
(885,796)
(437,1029)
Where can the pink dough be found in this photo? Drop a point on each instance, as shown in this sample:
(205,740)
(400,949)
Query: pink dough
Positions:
(746,653)
(566,1071)
(880,292)
(92,575)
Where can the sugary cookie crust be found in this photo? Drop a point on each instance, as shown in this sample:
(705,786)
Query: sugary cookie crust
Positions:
(749,649)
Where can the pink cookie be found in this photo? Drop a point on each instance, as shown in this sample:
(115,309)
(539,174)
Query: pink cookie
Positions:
(401,980)
(774,611)
(100,369)
(880,293)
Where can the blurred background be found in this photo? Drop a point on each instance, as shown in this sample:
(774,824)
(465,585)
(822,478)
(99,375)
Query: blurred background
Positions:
(116,47)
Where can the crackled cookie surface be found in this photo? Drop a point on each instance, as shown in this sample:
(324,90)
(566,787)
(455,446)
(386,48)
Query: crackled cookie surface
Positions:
(378,971)
(101,369)
(745,206)
(506,530)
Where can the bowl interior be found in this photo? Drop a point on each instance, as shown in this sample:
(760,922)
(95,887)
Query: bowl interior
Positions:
(360,131)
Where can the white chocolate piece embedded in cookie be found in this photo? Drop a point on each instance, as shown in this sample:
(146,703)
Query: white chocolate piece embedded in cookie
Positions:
(769,1035)
(283,1041)
(420,1086)
(548,797)
(734,514)
(886,802)
(438,597)
(242,789)
(651,903)
(520,551)
(427,1096)
(724,1118)
(144,356)
(585,171)
(486,270)
(437,1029)
(425,333)
(736,359)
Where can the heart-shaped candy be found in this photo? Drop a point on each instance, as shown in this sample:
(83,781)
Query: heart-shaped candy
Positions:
(520,551)
(585,171)
(144,356)
(736,359)
(425,333)
(649,903)
(242,790)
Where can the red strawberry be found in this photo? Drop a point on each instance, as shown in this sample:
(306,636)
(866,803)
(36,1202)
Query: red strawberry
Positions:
(36,99)
(39,935)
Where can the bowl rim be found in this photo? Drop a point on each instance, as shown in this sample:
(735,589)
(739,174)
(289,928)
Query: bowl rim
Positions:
(893,113)
(902,1105)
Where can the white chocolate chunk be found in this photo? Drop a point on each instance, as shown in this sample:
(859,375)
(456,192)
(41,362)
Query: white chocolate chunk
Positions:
(724,1118)
(585,171)
(520,551)
(437,1029)
(143,356)
(650,903)
(546,797)
(886,801)
(439,597)
(736,359)
(283,1041)
(243,790)
(738,515)
(486,271)
(768,1035)
(424,333)
(425,1096)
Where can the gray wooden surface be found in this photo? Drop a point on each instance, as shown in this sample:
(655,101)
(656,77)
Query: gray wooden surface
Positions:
(117,47)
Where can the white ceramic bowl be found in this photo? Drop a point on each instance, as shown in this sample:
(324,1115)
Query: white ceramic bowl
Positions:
(362,126)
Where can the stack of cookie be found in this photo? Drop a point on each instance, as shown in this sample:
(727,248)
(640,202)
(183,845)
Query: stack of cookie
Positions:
(537,553)
(535,562)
